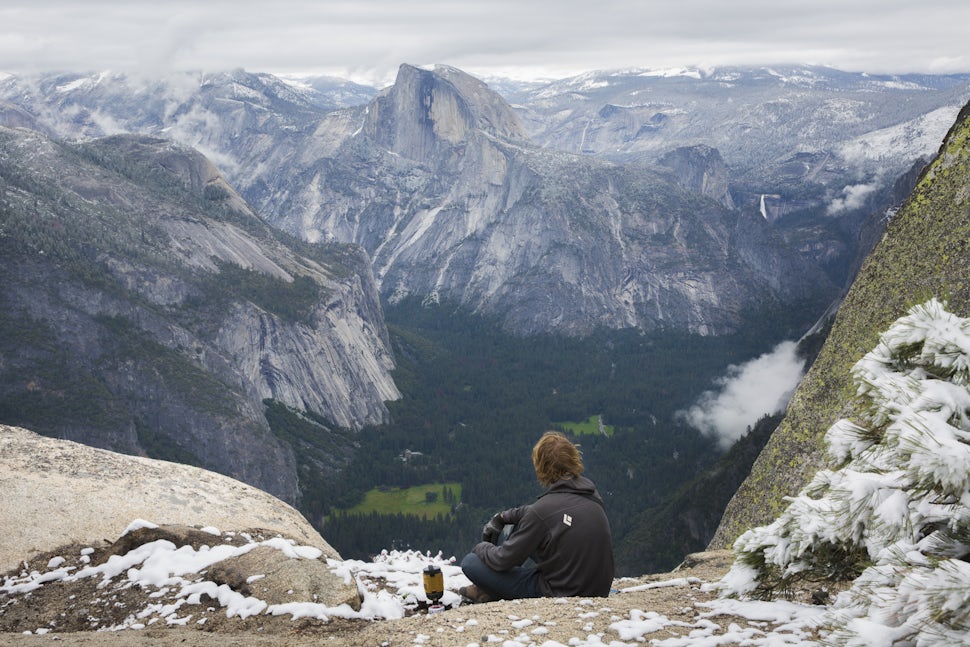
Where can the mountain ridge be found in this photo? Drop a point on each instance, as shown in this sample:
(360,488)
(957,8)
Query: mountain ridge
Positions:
(278,147)
(445,211)
(147,308)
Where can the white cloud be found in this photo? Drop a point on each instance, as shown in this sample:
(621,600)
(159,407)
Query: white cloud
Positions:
(371,38)
(853,197)
(746,393)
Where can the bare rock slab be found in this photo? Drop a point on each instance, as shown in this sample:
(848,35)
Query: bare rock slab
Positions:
(58,492)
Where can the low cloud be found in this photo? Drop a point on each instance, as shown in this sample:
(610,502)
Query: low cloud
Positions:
(371,38)
(746,393)
(853,197)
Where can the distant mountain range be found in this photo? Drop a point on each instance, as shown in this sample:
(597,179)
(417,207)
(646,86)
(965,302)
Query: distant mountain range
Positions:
(760,119)
(606,200)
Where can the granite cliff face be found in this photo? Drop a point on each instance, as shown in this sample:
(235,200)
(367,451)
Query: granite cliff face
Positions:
(146,309)
(702,170)
(436,180)
(924,253)
(439,159)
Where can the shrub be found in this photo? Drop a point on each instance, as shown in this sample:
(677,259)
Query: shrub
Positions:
(893,512)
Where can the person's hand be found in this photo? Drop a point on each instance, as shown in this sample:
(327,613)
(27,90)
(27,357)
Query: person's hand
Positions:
(494,527)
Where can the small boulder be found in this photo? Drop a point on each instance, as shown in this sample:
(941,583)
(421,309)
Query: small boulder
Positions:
(711,560)
(266,573)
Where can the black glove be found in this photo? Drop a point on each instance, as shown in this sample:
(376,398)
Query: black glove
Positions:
(493,529)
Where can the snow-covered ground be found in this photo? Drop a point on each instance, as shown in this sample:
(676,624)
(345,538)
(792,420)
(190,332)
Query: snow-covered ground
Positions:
(682,609)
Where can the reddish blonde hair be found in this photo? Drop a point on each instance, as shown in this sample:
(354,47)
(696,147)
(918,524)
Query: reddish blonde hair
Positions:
(555,457)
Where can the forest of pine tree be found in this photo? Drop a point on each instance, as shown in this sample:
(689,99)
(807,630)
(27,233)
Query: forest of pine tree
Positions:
(474,402)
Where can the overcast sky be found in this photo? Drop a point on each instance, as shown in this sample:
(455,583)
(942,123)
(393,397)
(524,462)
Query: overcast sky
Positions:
(368,39)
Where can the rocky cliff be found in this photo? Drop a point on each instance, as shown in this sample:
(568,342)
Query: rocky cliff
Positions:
(145,308)
(702,170)
(437,181)
(924,253)
(439,169)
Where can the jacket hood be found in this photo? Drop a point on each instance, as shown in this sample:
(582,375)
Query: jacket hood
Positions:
(575,485)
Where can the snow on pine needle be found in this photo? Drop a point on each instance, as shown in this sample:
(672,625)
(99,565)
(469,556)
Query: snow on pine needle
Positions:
(893,513)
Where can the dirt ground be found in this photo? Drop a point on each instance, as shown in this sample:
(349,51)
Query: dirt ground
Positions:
(74,605)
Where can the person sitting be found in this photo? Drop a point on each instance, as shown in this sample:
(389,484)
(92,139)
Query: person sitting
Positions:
(565,533)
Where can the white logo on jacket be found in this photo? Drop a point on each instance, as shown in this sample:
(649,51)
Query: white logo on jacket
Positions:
(566,519)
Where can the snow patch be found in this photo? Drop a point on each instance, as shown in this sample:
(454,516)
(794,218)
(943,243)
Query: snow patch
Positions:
(906,141)
(672,72)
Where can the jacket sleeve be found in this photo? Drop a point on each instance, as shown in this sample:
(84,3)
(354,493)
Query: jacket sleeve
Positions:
(514,515)
(521,544)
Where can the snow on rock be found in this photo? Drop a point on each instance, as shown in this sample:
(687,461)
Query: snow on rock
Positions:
(244,573)
(909,140)
(160,583)
(157,576)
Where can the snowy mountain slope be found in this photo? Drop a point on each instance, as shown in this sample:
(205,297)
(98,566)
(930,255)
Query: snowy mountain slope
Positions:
(756,117)
(237,119)
(914,138)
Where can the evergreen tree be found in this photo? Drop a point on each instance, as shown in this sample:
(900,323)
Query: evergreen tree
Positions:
(893,513)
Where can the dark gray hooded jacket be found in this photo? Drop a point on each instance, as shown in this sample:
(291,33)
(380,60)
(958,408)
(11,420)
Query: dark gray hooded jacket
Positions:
(568,535)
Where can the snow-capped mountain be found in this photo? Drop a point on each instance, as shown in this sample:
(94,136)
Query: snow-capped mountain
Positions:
(756,117)
(469,199)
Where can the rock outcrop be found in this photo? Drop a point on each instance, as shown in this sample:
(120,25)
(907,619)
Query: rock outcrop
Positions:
(282,580)
(58,492)
(702,170)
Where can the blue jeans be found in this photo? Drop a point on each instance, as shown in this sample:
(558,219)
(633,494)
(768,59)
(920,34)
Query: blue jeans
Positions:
(519,582)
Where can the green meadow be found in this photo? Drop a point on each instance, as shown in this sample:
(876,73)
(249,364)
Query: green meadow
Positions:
(588,427)
(426,501)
